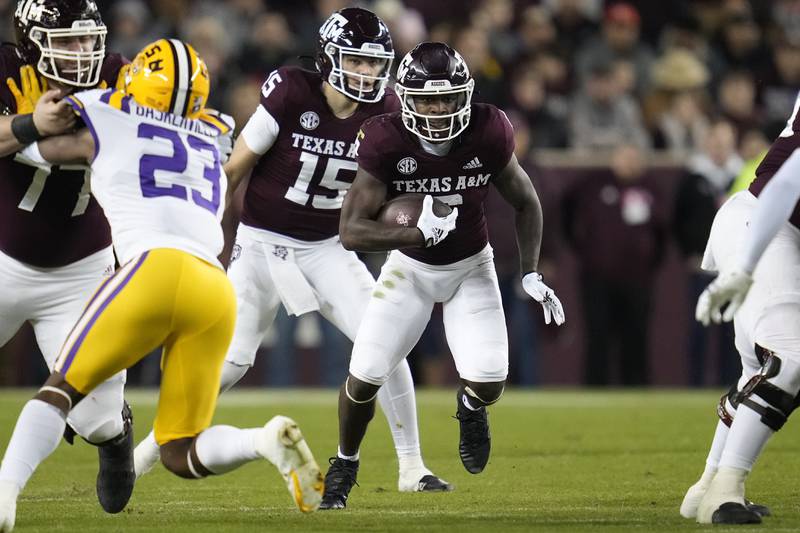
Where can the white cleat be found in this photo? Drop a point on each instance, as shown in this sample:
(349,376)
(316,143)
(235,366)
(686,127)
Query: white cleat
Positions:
(726,487)
(146,455)
(692,499)
(422,480)
(282,444)
(8,506)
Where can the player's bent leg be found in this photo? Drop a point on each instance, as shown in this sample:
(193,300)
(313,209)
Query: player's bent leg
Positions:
(765,403)
(474,446)
(356,409)
(345,287)
(36,435)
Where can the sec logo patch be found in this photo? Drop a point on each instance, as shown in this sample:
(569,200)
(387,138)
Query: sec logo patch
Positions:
(309,120)
(407,165)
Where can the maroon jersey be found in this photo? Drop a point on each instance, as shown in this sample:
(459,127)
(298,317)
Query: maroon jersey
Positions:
(297,187)
(48,219)
(461,178)
(779,152)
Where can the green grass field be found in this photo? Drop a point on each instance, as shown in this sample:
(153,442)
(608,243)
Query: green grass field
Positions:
(561,461)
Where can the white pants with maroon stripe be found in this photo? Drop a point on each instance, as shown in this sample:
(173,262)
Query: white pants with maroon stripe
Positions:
(770,315)
(401,306)
(52,300)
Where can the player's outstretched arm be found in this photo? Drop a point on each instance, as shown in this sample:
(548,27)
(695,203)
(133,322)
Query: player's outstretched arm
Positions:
(516,188)
(775,205)
(358,229)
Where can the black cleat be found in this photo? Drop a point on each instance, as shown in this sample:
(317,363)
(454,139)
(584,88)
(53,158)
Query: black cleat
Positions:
(339,481)
(760,510)
(475,442)
(431,483)
(735,513)
(116,476)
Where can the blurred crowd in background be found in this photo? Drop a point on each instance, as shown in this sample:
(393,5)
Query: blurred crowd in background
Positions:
(634,119)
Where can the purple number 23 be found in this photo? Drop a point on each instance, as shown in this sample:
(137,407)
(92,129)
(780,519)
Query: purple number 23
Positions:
(177,163)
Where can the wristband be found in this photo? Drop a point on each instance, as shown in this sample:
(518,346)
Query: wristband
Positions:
(24,129)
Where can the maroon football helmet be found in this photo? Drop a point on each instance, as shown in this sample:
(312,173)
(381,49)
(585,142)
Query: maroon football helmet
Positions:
(65,39)
(356,32)
(429,70)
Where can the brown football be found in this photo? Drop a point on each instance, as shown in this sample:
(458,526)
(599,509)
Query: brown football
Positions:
(404,210)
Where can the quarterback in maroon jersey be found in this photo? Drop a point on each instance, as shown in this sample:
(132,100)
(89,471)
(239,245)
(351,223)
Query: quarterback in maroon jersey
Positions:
(300,145)
(442,145)
(754,244)
(55,244)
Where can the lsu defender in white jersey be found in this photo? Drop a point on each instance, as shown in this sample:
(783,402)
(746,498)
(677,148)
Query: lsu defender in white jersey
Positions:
(151,172)
(157,174)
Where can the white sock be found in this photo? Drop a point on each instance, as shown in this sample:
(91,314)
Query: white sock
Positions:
(398,402)
(225,448)
(37,434)
(717,445)
(231,374)
(746,439)
(340,455)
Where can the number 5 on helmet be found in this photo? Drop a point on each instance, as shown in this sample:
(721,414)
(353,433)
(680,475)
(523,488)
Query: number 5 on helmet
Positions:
(169,76)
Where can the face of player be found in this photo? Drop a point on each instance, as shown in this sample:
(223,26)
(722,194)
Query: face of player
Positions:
(362,71)
(439,104)
(83,43)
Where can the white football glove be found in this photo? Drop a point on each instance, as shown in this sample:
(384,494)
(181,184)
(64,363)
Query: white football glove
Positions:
(434,228)
(535,287)
(730,287)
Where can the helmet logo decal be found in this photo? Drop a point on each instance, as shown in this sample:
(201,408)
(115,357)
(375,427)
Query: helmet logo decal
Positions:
(33,10)
(309,120)
(333,27)
(407,165)
(402,68)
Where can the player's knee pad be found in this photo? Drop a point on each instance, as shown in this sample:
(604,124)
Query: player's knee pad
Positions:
(728,403)
(99,417)
(360,391)
(485,393)
(773,392)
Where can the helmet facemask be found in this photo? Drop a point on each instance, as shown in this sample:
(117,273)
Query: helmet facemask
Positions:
(340,79)
(425,125)
(70,67)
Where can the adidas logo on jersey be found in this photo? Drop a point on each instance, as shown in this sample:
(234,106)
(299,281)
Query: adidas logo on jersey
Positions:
(474,163)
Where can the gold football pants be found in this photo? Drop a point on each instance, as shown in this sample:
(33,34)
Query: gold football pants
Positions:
(168,298)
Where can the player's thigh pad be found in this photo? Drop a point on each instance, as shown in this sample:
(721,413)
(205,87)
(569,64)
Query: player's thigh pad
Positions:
(342,283)
(202,328)
(395,318)
(257,299)
(475,327)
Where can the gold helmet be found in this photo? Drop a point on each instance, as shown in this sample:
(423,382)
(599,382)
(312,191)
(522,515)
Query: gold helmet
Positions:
(169,76)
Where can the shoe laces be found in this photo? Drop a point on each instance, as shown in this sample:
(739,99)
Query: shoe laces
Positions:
(341,476)
(474,425)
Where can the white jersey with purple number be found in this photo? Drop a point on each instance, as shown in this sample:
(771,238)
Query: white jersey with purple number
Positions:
(157,176)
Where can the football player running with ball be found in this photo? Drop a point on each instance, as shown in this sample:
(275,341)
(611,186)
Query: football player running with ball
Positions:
(156,172)
(444,146)
(55,243)
(300,146)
